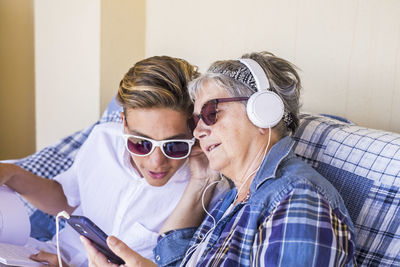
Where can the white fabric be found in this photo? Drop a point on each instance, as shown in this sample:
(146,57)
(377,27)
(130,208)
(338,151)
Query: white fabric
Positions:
(111,193)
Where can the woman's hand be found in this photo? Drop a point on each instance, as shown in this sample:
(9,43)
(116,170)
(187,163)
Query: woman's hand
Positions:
(189,210)
(200,167)
(130,257)
(49,258)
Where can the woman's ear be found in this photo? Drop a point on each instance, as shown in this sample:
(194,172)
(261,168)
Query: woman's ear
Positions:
(263,131)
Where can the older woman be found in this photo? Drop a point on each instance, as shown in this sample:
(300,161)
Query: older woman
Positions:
(281,211)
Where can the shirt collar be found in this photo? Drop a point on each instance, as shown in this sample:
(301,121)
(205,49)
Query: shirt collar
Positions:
(278,152)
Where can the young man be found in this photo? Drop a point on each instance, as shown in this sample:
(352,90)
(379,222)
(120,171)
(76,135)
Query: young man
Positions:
(127,178)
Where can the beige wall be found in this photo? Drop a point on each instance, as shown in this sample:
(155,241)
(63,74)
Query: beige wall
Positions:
(67,66)
(122,43)
(348,50)
(83,48)
(17,121)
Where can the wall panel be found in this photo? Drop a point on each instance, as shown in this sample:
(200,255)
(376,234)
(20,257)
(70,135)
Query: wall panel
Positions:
(347,50)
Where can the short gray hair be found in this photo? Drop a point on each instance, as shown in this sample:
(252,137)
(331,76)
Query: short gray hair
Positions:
(236,79)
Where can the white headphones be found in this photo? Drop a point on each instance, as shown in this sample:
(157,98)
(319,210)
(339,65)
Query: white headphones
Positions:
(265,108)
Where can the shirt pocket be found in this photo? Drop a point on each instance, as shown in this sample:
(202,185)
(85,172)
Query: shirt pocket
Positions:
(140,239)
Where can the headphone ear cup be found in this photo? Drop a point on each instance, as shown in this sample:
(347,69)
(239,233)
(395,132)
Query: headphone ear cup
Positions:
(265,109)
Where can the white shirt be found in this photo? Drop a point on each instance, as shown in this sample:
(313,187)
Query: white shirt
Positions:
(111,193)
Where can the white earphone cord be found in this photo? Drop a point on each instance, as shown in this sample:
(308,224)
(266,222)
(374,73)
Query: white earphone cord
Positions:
(195,246)
(258,167)
(66,216)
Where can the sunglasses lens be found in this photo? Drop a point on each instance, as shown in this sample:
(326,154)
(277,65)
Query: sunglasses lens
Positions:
(176,149)
(139,146)
(209,113)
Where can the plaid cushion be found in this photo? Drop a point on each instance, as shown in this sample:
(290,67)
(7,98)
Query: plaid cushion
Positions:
(51,161)
(364,166)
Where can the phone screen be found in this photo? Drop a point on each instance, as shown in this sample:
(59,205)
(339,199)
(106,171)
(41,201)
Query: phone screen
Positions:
(84,226)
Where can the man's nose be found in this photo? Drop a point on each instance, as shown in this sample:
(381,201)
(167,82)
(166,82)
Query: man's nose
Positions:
(157,157)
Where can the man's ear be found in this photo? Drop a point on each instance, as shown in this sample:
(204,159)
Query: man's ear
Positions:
(126,130)
(123,118)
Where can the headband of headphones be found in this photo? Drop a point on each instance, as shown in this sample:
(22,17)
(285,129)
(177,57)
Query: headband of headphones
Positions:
(257,72)
(251,74)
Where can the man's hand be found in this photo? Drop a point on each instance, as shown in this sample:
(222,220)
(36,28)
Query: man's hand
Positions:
(49,258)
(130,257)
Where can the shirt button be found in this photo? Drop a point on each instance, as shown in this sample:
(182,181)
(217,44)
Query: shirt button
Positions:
(201,236)
(158,257)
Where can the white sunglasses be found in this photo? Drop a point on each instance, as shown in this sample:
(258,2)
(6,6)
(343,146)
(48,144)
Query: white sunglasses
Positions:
(173,148)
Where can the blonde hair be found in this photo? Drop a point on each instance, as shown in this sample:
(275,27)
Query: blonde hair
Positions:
(159,81)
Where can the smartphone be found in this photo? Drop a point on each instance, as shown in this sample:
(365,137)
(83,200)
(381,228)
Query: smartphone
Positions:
(84,226)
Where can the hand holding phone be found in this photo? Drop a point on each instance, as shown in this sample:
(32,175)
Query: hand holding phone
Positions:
(84,226)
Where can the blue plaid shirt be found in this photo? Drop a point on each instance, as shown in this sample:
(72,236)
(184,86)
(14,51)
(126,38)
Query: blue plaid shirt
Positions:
(294,217)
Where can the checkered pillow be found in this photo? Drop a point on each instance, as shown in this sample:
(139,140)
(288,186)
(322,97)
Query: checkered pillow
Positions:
(51,161)
(364,166)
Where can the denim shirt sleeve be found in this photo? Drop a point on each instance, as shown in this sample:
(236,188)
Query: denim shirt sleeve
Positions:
(171,248)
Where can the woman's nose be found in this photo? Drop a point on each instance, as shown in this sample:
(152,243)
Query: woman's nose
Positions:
(201,129)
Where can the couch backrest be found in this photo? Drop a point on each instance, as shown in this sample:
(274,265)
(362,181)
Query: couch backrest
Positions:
(364,166)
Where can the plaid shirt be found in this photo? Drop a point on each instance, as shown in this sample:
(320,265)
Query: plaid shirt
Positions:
(294,217)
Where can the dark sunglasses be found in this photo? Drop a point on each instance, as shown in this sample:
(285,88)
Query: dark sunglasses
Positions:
(209,110)
(173,149)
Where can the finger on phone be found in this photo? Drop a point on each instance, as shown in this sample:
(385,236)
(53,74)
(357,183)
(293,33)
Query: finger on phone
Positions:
(94,256)
(130,257)
(119,247)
